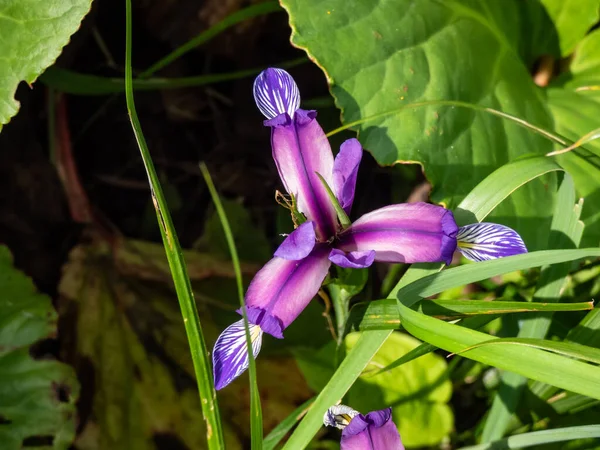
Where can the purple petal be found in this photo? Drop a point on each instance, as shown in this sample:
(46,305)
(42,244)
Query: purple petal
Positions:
(230,356)
(283,288)
(484,241)
(301,150)
(275,93)
(352,260)
(268,323)
(299,243)
(345,170)
(404,233)
(374,431)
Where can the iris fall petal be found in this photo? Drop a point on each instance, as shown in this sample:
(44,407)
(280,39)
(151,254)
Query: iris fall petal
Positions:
(484,241)
(404,233)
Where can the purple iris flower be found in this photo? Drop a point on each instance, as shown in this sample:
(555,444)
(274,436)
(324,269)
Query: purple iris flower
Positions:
(404,233)
(374,431)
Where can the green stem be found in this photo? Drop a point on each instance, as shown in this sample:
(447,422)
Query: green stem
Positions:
(255,408)
(183,288)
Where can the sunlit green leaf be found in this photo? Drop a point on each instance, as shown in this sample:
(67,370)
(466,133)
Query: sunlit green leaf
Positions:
(33,33)
(379,56)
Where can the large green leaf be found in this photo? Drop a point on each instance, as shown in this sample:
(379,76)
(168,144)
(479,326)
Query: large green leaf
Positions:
(37,397)
(572,20)
(382,56)
(33,33)
(575,109)
(418,391)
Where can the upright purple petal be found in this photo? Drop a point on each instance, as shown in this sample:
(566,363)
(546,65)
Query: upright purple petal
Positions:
(230,355)
(404,233)
(374,431)
(345,171)
(283,288)
(484,241)
(275,93)
(299,243)
(301,150)
(352,260)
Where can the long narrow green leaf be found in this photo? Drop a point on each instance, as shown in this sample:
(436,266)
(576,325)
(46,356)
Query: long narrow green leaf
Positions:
(472,273)
(530,362)
(279,432)
(183,288)
(383,314)
(82,84)
(566,231)
(473,323)
(349,370)
(258,9)
(499,185)
(256,422)
(578,351)
(587,332)
(540,437)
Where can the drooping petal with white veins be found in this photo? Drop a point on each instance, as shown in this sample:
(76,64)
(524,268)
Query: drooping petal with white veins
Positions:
(230,355)
(404,233)
(485,241)
(301,150)
(275,93)
(345,171)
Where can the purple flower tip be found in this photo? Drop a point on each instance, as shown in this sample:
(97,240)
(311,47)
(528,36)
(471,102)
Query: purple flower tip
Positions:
(375,431)
(276,93)
(230,355)
(267,322)
(485,241)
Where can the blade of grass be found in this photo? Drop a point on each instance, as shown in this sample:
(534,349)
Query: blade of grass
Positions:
(82,84)
(532,363)
(256,426)
(279,432)
(249,12)
(348,371)
(577,351)
(566,231)
(383,314)
(183,288)
(540,437)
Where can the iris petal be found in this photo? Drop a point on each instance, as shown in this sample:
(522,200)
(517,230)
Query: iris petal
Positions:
(275,93)
(485,241)
(230,355)
(283,288)
(301,150)
(404,233)
(299,243)
(374,431)
(352,260)
(345,171)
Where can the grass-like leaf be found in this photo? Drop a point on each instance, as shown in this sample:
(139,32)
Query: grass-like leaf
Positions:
(530,362)
(177,265)
(256,427)
(540,437)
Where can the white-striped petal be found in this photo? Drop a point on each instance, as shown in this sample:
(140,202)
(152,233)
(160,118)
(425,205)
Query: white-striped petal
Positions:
(339,416)
(275,93)
(485,241)
(230,356)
